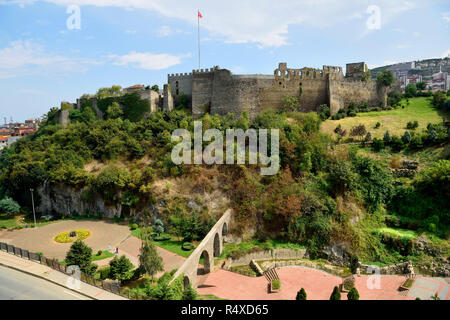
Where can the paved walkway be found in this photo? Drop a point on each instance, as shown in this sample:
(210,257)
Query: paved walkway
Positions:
(103,234)
(425,287)
(47,273)
(318,285)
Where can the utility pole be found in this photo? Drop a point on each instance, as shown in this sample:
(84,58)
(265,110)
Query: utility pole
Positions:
(32,201)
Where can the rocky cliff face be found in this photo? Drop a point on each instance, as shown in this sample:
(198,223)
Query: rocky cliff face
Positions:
(65,200)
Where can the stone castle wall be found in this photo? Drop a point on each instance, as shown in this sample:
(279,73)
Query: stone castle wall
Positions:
(218,91)
(342,93)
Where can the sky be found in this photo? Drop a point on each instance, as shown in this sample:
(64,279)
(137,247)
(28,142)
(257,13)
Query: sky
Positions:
(57,50)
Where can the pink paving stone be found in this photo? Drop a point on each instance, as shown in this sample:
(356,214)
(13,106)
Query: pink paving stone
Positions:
(318,285)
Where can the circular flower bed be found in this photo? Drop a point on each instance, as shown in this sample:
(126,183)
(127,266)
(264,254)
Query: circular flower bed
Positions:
(65,237)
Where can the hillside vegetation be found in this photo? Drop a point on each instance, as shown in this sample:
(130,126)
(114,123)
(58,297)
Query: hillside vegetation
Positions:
(322,195)
(395,121)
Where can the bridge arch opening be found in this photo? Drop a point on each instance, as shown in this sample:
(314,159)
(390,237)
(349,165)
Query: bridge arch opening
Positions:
(203,263)
(224,229)
(186,281)
(216,245)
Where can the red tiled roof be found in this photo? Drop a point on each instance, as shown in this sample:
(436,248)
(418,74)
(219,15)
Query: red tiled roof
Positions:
(3,139)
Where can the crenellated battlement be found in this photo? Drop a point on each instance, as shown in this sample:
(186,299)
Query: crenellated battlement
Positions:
(177,76)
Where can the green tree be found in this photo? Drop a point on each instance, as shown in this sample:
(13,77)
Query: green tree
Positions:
(421,85)
(406,138)
(301,295)
(114,91)
(114,111)
(149,258)
(335,295)
(158,227)
(9,206)
(324,112)
(353,294)
(385,78)
(121,268)
(80,255)
(387,138)
(411,90)
(290,104)
(155,88)
(358,131)
(189,293)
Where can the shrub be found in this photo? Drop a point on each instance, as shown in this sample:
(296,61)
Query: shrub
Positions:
(353,294)
(406,138)
(349,283)
(335,295)
(9,206)
(276,284)
(387,138)
(162,237)
(301,295)
(134,226)
(397,143)
(121,268)
(377,144)
(187,246)
(105,273)
(189,293)
(377,125)
(99,252)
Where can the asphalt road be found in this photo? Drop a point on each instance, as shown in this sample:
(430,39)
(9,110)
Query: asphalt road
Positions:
(16,285)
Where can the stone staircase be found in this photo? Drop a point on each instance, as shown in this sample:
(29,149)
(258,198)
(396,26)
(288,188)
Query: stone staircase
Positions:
(271,274)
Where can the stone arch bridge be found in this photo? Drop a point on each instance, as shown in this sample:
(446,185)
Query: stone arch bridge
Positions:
(210,247)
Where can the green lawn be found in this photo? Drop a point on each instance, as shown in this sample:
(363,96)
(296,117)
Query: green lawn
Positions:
(105,255)
(394,121)
(8,222)
(173,246)
(400,233)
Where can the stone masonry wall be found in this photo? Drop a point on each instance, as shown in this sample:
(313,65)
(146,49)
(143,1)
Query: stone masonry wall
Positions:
(341,93)
(276,254)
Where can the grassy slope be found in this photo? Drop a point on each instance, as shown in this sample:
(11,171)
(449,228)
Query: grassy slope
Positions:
(395,120)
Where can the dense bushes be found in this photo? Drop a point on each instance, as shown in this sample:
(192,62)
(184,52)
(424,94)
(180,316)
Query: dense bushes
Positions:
(427,197)
(9,206)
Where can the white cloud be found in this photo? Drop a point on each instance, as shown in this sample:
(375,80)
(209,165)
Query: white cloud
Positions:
(147,60)
(130,31)
(446,16)
(446,54)
(22,58)
(264,22)
(402,46)
(164,31)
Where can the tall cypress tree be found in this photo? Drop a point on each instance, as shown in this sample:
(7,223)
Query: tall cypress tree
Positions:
(301,295)
(149,258)
(335,295)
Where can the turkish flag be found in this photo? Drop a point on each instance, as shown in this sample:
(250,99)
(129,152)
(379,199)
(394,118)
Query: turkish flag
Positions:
(200,15)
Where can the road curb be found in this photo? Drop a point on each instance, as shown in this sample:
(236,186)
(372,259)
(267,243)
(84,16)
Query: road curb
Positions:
(49,280)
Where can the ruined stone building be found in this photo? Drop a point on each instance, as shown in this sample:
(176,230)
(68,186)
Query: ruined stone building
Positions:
(218,91)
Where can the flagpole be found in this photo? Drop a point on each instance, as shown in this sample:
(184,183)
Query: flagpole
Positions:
(198,24)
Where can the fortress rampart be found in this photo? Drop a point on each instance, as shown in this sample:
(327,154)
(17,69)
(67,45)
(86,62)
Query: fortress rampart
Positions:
(217,90)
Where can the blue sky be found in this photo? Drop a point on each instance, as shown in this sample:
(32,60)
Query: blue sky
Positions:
(127,42)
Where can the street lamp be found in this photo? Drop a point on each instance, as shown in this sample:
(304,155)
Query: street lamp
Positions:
(32,201)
